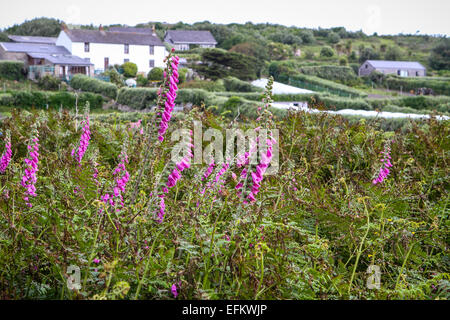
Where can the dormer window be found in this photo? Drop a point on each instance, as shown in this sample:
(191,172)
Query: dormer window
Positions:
(86,47)
(126,49)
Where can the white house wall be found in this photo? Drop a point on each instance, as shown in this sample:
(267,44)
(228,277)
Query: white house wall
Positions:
(64,40)
(138,54)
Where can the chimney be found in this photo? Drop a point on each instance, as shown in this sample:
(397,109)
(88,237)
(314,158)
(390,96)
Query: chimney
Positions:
(100,28)
(153,31)
(64,27)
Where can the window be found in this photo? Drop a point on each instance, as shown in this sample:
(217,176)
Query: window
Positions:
(126,60)
(126,49)
(86,47)
(417,73)
(152,63)
(152,50)
(398,72)
(367,66)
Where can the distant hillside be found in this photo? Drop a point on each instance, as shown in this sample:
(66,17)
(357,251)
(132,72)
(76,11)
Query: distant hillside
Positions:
(272,42)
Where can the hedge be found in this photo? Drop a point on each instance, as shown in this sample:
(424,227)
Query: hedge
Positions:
(318,84)
(236,85)
(12,70)
(330,72)
(88,84)
(141,98)
(40,99)
(439,85)
(439,103)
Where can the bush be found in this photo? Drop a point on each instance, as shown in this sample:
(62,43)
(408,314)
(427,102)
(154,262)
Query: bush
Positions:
(141,80)
(182,72)
(326,52)
(115,77)
(12,70)
(129,69)
(156,74)
(49,82)
(6,100)
(333,37)
(343,61)
(85,83)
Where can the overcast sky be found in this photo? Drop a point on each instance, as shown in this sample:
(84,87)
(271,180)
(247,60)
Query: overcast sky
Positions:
(382,16)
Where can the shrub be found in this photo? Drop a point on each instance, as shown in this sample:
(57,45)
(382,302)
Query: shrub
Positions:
(49,82)
(115,77)
(12,70)
(343,61)
(182,72)
(141,80)
(85,83)
(6,99)
(333,37)
(129,69)
(326,52)
(156,74)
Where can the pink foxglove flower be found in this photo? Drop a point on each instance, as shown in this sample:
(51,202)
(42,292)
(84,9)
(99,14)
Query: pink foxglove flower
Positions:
(84,141)
(120,181)
(386,164)
(174,176)
(168,93)
(29,178)
(174,290)
(6,156)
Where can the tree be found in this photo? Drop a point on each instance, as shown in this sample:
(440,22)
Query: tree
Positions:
(44,27)
(129,69)
(440,55)
(326,52)
(333,37)
(368,54)
(252,49)
(393,53)
(156,74)
(218,63)
(307,36)
(286,38)
(279,51)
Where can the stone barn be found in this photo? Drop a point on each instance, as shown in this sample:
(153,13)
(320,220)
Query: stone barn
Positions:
(399,68)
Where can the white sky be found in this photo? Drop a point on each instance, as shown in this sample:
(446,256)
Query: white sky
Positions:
(382,16)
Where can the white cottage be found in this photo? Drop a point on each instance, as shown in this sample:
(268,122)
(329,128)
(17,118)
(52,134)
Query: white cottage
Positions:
(105,48)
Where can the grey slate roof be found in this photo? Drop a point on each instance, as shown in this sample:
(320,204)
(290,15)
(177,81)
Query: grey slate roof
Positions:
(190,36)
(97,36)
(130,29)
(384,64)
(33,47)
(30,39)
(61,59)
